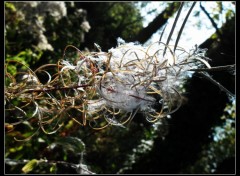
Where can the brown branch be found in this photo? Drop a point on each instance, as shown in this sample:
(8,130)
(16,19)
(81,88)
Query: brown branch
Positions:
(50,89)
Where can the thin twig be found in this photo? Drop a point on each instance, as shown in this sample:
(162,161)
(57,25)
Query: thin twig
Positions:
(181,29)
(218,68)
(206,75)
(173,27)
(210,18)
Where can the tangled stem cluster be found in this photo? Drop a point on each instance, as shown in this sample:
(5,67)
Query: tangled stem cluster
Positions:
(101,88)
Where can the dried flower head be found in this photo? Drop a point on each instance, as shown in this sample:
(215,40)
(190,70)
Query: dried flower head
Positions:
(105,88)
(132,78)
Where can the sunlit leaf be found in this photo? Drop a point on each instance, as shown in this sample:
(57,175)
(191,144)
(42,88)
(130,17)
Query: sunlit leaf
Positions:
(53,169)
(10,6)
(30,166)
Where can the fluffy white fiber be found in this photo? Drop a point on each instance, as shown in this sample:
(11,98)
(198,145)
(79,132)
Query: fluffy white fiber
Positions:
(132,77)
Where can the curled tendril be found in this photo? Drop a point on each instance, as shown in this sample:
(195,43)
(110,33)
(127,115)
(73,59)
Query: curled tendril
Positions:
(101,89)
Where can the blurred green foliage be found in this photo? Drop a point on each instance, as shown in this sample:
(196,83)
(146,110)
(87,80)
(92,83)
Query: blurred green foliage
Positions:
(110,21)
